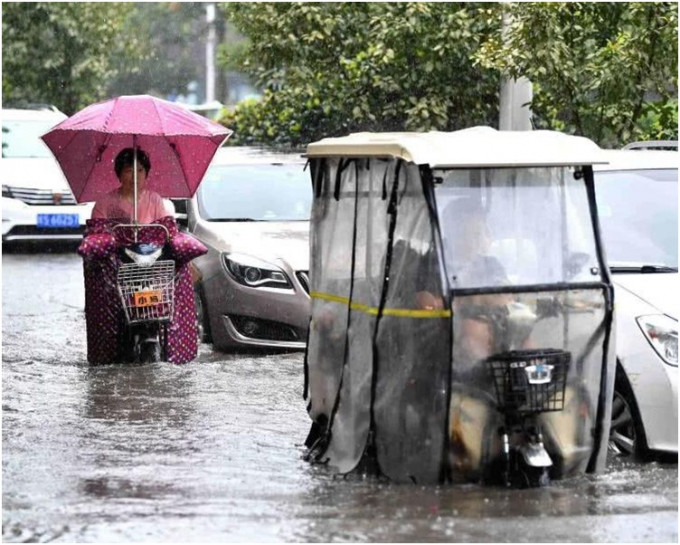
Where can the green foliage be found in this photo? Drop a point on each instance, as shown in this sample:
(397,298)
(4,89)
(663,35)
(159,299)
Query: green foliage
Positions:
(163,62)
(659,121)
(604,70)
(333,68)
(60,52)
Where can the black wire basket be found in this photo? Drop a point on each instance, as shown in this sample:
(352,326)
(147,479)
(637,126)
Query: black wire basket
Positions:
(530,381)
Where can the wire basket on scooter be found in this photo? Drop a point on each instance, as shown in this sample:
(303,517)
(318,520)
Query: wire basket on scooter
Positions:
(530,381)
(147,292)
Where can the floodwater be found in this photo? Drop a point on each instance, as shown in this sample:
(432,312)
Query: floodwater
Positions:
(211,452)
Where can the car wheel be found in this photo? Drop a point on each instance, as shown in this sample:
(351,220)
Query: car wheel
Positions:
(201,315)
(626,435)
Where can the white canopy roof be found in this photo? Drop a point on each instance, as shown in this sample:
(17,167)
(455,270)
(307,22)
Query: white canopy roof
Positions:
(467,148)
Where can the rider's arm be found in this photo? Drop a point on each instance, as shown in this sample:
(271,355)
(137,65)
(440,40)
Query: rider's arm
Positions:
(428,297)
(426,300)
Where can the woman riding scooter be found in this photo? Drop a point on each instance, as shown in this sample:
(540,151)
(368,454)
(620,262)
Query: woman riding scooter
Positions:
(108,234)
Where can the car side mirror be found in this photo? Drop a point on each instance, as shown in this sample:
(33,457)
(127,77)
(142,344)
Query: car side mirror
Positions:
(181,212)
(182,219)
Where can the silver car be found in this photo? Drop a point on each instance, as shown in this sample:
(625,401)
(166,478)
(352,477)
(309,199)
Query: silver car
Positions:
(252,212)
(637,198)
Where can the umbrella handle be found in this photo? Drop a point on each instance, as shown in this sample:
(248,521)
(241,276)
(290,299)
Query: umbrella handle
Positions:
(134,170)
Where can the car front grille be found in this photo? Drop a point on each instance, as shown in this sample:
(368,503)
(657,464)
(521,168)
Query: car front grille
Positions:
(35,197)
(303,277)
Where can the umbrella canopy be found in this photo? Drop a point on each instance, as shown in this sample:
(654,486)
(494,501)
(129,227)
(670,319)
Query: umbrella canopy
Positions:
(180,145)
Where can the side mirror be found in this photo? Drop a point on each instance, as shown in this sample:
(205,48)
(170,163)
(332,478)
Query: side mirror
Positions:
(182,219)
(181,212)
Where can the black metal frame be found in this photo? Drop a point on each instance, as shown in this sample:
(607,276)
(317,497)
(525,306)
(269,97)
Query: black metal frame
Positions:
(428,183)
(609,317)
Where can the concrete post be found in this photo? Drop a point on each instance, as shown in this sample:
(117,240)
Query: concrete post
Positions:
(514,115)
(210,53)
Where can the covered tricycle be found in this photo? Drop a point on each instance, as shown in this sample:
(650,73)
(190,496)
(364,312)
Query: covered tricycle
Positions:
(462,316)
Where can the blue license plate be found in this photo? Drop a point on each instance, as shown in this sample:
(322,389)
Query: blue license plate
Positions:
(56,221)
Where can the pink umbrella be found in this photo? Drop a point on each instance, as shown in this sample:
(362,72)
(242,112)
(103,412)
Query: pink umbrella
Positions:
(180,145)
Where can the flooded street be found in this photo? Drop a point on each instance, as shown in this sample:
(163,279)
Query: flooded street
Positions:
(211,452)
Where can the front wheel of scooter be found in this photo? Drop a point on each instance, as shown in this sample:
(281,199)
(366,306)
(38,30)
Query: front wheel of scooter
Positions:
(150,352)
(147,346)
(522,475)
(536,477)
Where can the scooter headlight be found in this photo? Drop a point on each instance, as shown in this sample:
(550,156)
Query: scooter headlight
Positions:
(253,272)
(662,333)
(145,259)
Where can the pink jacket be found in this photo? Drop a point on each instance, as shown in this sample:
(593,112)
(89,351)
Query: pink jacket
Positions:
(150,207)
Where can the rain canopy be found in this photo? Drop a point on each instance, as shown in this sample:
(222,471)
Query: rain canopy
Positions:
(413,235)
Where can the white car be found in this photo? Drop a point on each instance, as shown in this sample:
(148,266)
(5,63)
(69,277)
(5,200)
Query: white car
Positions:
(37,203)
(637,197)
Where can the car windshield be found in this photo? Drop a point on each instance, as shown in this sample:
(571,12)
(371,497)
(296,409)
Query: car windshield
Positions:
(21,137)
(639,217)
(260,192)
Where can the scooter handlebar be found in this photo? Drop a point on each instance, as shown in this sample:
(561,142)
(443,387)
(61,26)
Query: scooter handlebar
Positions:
(138,226)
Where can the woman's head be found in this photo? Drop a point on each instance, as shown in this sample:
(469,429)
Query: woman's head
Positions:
(126,157)
(123,166)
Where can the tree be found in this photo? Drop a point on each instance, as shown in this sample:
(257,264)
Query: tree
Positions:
(604,70)
(165,62)
(333,68)
(61,52)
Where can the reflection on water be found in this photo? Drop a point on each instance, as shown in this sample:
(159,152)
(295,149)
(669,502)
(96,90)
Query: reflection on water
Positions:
(120,393)
(211,451)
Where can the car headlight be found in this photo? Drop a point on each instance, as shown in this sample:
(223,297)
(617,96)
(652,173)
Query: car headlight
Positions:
(253,272)
(662,333)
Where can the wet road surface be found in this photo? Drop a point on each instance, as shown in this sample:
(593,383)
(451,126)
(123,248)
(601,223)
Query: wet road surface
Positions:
(211,451)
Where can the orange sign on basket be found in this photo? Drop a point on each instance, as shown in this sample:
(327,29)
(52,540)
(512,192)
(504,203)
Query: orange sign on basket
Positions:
(147,298)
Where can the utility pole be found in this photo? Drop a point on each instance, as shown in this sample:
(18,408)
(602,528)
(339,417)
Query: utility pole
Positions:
(221,83)
(516,95)
(210,53)
(515,113)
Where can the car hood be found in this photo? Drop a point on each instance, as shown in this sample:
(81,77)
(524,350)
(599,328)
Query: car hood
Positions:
(36,173)
(659,290)
(268,240)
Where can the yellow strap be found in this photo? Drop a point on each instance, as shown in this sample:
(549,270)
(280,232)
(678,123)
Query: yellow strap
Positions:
(400,312)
